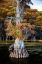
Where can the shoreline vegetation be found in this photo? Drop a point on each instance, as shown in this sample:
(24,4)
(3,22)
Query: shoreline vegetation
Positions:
(27,42)
(32,47)
(12,41)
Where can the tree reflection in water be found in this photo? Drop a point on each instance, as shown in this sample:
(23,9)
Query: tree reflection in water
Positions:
(33,58)
(19,61)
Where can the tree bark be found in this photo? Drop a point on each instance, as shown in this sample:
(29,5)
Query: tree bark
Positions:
(19,10)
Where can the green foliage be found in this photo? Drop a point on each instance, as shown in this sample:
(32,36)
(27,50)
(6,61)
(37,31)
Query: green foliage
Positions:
(40,12)
(18,33)
(26,43)
(7,42)
(14,22)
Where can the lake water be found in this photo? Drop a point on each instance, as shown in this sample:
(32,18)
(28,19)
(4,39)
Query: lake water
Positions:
(32,59)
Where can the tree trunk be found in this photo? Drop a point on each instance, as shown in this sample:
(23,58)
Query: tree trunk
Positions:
(19,10)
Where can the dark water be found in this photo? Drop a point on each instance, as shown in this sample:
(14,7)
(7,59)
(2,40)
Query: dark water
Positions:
(32,59)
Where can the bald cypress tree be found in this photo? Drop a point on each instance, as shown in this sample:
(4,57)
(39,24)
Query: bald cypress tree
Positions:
(20,9)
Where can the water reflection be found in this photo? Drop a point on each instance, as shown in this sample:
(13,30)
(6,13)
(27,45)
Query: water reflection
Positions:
(19,61)
(32,59)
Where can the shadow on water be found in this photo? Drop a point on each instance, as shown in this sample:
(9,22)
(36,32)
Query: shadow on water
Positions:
(4,55)
(33,58)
